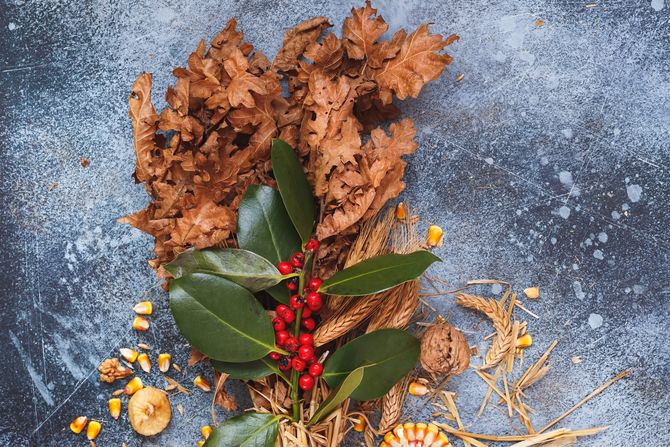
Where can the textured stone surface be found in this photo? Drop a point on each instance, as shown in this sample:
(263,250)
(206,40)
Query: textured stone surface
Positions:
(546,165)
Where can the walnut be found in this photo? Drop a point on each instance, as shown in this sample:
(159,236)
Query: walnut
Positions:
(444,350)
(112,369)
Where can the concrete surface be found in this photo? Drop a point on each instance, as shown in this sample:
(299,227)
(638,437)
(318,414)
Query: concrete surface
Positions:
(546,165)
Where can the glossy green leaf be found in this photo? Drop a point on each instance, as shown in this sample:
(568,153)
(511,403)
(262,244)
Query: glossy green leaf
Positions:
(378,273)
(242,267)
(294,188)
(247,430)
(263,226)
(221,319)
(385,356)
(338,395)
(248,370)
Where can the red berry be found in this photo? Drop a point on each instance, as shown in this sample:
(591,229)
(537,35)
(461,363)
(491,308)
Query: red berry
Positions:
(297,302)
(314,284)
(309,324)
(312,359)
(315,369)
(306,313)
(298,364)
(292,344)
(281,337)
(312,245)
(278,324)
(284,363)
(306,382)
(305,352)
(287,315)
(275,355)
(281,308)
(306,339)
(297,259)
(292,283)
(285,268)
(313,301)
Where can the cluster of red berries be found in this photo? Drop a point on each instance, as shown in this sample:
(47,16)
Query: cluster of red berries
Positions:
(301,356)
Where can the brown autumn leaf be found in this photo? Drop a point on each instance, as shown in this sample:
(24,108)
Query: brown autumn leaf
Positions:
(361,31)
(296,41)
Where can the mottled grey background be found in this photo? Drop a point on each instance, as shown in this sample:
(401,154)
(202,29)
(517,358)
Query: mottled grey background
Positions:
(546,165)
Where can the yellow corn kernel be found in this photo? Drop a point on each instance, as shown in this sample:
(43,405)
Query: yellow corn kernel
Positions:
(532,293)
(524,341)
(202,383)
(401,211)
(441,441)
(431,434)
(420,431)
(78,424)
(360,425)
(434,236)
(409,429)
(93,430)
(418,389)
(141,324)
(390,438)
(114,407)
(143,308)
(399,431)
(205,431)
(134,385)
(164,362)
(144,362)
(201,443)
(383,444)
(128,354)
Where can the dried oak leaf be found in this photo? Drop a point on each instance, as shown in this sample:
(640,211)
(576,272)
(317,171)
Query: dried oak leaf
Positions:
(296,41)
(145,122)
(361,31)
(417,63)
(112,369)
(242,81)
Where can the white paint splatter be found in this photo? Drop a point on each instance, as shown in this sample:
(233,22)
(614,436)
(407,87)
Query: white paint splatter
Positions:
(657,5)
(634,192)
(579,292)
(12,26)
(598,254)
(595,321)
(544,161)
(567,133)
(602,237)
(639,289)
(565,177)
(489,160)
(564,212)
(496,289)
(616,215)
(553,240)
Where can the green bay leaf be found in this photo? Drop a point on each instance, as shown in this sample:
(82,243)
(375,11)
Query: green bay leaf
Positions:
(338,395)
(247,430)
(385,356)
(378,273)
(248,370)
(296,193)
(221,319)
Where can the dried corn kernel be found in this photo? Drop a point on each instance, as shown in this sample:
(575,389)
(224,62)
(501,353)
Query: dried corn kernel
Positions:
(144,362)
(384,444)
(532,292)
(418,389)
(143,308)
(401,211)
(144,346)
(128,354)
(409,429)
(176,367)
(434,236)
(201,443)
(202,383)
(140,324)
(524,341)
(93,430)
(134,385)
(78,424)
(392,440)
(431,434)
(205,431)
(164,362)
(360,425)
(420,431)
(114,407)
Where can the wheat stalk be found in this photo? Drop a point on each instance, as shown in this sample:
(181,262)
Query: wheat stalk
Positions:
(342,322)
(392,405)
(504,340)
(398,307)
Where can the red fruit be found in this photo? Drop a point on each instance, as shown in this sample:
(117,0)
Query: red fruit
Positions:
(312,245)
(313,301)
(309,324)
(292,344)
(297,259)
(315,369)
(298,364)
(278,324)
(275,355)
(314,284)
(285,268)
(306,339)
(292,283)
(297,302)
(284,363)
(281,308)
(312,360)
(281,337)
(306,313)
(305,352)
(286,314)
(306,382)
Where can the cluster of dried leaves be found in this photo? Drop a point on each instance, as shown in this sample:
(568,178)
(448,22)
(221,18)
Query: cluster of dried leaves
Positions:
(198,156)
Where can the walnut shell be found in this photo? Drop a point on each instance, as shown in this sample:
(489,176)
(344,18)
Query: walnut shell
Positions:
(444,350)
